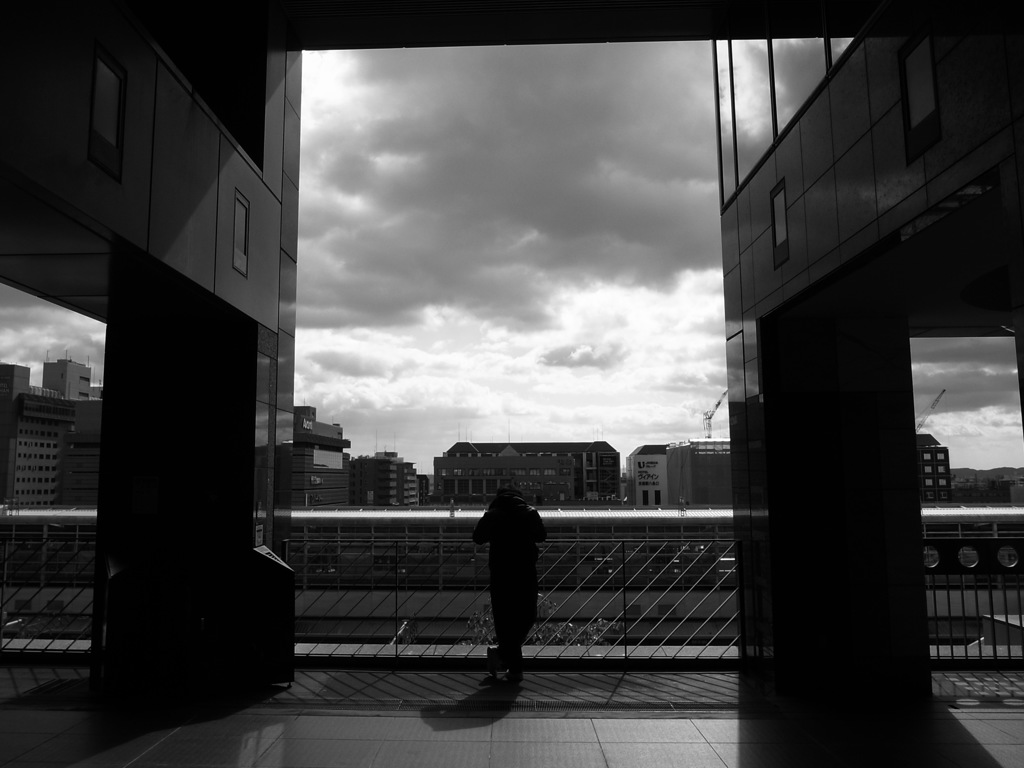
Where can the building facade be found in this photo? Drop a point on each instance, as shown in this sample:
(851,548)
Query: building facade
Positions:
(593,468)
(647,478)
(933,471)
(73,381)
(845,228)
(315,467)
(475,479)
(384,479)
(700,472)
(33,424)
(80,460)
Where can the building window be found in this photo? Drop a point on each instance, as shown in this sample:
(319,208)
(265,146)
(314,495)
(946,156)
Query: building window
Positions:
(780,229)
(920,103)
(106,122)
(241,255)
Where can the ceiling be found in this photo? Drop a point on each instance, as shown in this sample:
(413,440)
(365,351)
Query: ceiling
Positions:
(330,24)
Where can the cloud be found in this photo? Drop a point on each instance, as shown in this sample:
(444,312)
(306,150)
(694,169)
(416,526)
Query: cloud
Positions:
(488,179)
(580,355)
(33,330)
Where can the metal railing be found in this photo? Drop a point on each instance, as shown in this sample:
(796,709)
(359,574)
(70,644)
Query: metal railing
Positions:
(974,597)
(598,598)
(46,594)
(604,598)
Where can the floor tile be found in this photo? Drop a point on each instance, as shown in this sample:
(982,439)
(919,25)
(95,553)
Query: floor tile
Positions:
(509,754)
(679,755)
(212,750)
(985,756)
(432,754)
(748,730)
(544,730)
(14,745)
(803,754)
(90,748)
(36,721)
(319,753)
(647,731)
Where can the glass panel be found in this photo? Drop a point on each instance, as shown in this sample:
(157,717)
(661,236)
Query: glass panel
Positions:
(920,85)
(725,134)
(839,45)
(241,255)
(106,103)
(799,67)
(263,369)
(753,102)
(779,216)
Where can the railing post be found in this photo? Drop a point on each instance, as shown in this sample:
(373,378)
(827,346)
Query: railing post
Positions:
(625,605)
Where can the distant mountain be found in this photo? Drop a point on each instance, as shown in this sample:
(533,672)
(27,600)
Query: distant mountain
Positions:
(987,474)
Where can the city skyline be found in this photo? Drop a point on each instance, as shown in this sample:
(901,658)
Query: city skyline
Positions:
(522,243)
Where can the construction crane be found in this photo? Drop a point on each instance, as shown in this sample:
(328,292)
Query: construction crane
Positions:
(709,415)
(931,409)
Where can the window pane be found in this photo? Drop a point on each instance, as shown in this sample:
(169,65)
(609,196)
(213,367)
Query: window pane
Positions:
(241,256)
(839,44)
(106,103)
(920,86)
(728,169)
(799,67)
(779,210)
(753,102)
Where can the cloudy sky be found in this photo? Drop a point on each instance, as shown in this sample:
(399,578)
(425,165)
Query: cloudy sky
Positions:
(524,241)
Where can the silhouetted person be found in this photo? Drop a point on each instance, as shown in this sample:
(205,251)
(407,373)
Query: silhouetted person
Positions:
(512,528)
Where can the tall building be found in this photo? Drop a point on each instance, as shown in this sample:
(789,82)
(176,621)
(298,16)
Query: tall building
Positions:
(593,468)
(314,466)
(72,380)
(384,479)
(936,482)
(80,456)
(33,425)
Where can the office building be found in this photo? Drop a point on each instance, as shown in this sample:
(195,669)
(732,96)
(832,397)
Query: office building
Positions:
(384,479)
(936,482)
(539,469)
(73,381)
(700,472)
(314,466)
(647,478)
(33,425)
(80,456)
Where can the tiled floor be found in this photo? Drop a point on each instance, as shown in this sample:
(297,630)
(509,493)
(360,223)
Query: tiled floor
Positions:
(383,719)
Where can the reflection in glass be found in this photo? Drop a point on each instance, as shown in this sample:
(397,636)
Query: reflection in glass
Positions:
(753,102)
(799,67)
(931,557)
(725,133)
(968,556)
(106,103)
(1008,557)
(920,85)
(839,45)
